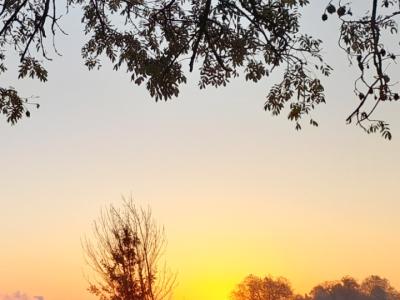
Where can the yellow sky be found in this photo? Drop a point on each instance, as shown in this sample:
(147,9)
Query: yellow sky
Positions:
(238,191)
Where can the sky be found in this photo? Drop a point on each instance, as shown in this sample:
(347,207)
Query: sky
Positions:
(239,191)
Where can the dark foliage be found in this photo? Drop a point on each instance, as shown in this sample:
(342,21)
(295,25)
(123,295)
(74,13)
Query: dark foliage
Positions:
(157,41)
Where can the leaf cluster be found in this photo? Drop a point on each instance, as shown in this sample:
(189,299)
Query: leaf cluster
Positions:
(362,40)
(158,42)
(151,40)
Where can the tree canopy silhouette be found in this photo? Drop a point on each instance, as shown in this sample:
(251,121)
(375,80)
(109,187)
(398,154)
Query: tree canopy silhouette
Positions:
(372,288)
(268,288)
(158,42)
(125,253)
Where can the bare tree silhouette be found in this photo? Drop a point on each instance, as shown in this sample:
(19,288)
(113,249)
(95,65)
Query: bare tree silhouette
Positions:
(125,253)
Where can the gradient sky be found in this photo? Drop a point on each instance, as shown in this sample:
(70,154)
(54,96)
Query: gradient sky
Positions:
(238,191)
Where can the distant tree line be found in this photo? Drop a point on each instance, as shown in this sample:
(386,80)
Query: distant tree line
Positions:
(269,288)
